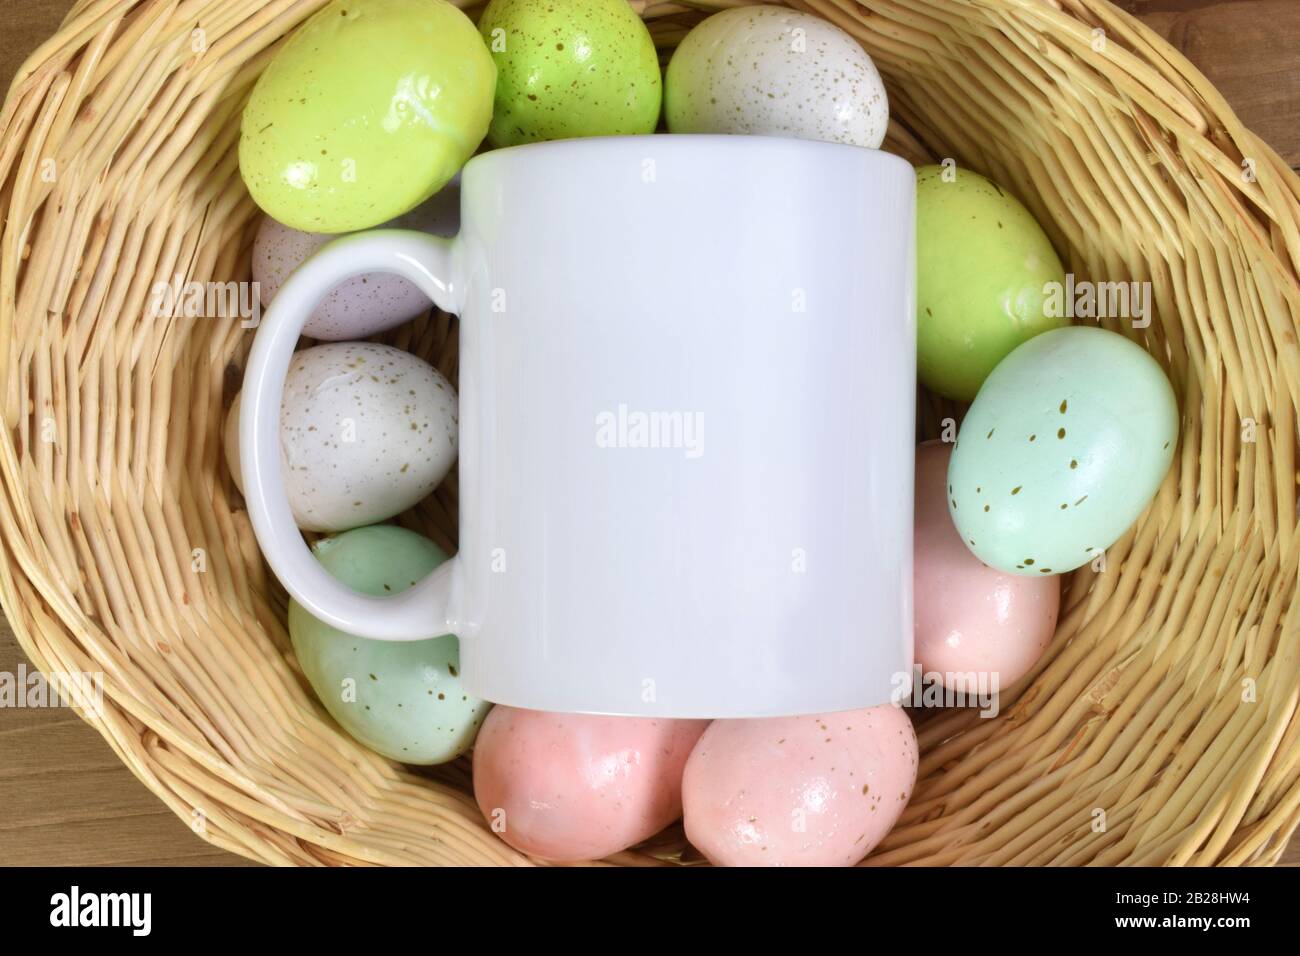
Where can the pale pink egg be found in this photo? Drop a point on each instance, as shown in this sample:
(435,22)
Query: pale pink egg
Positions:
(365,304)
(818,790)
(566,787)
(970,618)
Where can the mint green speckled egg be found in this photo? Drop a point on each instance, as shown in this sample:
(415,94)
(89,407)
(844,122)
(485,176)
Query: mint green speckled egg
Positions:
(403,699)
(1066,444)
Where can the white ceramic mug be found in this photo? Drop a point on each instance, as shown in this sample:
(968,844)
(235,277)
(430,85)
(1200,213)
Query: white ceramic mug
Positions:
(687,393)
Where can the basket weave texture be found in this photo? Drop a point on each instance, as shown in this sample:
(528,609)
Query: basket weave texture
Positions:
(1161,726)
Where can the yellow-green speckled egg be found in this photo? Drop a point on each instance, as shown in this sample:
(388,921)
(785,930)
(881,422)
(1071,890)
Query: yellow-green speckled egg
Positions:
(983,269)
(403,699)
(570,68)
(368,109)
(1066,444)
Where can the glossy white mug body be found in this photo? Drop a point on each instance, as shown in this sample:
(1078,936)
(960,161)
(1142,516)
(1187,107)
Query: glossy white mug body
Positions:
(687,392)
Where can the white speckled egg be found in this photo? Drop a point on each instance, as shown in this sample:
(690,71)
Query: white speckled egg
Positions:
(367,431)
(772,71)
(363,305)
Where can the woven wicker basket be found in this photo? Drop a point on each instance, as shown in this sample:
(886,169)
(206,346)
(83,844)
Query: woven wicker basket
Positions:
(1168,699)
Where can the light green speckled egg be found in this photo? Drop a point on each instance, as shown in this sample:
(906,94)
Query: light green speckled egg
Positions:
(569,69)
(983,265)
(1067,442)
(367,110)
(403,699)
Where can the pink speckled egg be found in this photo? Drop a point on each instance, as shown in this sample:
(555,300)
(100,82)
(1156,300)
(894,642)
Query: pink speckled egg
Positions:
(567,787)
(818,790)
(363,305)
(970,618)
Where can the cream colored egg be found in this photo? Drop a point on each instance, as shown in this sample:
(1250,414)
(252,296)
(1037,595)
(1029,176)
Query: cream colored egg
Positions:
(367,431)
(767,70)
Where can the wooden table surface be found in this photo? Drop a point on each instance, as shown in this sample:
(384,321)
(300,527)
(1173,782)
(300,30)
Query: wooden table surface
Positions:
(67,799)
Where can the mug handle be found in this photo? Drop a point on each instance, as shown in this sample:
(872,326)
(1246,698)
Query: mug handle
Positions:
(422,611)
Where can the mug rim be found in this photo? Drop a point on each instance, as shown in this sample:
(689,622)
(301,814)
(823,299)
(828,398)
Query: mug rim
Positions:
(734,141)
